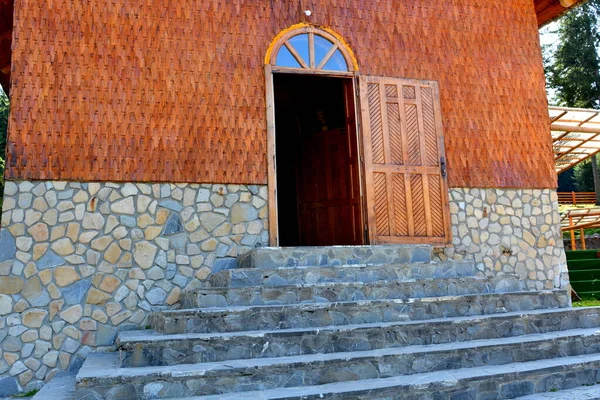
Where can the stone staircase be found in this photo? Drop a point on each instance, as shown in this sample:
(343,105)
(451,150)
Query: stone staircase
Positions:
(351,322)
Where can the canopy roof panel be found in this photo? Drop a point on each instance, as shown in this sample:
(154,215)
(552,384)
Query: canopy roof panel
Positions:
(580,218)
(575,135)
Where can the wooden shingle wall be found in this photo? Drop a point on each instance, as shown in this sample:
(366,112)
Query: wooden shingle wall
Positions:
(174,90)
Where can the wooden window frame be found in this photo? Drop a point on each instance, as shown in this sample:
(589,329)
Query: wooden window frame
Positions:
(270,69)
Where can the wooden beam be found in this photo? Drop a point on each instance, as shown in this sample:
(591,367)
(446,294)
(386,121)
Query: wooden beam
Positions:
(574,128)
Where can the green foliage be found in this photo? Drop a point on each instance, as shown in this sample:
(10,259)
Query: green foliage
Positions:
(31,393)
(584,177)
(566,181)
(587,303)
(572,70)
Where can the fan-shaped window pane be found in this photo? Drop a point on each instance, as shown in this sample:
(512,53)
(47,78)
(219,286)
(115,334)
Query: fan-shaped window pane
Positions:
(322,46)
(286,59)
(300,44)
(337,62)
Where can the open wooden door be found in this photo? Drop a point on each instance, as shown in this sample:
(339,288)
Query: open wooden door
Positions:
(406,186)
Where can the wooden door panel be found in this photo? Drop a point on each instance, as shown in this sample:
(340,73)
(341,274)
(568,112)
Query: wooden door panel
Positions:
(407,195)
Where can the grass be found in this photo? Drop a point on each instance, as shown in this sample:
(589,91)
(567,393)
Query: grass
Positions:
(587,303)
(31,393)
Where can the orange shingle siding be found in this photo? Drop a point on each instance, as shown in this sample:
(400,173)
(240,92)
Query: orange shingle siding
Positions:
(142,91)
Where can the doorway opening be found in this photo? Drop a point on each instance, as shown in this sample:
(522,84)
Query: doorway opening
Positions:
(319,199)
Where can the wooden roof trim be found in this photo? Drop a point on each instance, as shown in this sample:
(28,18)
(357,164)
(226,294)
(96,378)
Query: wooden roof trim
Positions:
(549,10)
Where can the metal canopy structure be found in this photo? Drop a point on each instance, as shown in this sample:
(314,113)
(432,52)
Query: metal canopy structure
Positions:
(575,135)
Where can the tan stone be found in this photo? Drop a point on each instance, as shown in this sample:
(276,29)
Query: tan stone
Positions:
(120,317)
(152,232)
(40,204)
(55,306)
(72,314)
(10,284)
(53,291)
(33,318)
(144,220)
(64,276)
(529,238)
(39,250)
(174,296)
(125,244)
(99,316)
(161,216)
(209,245)
(73,231)
(113,253)
(137,273)
(101,243)
(17,229)
(31,217)
(126,261)
(110,284)
(87,237)
(113,308)
(39,232)
(46,276)
(63,247)
(97,297)
(120,233)
(30,336)
(72,332)
(203,273)
(124,206)
(20,305)
(144,253)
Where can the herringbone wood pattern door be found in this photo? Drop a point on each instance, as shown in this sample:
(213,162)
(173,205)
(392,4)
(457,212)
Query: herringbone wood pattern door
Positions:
(406,187)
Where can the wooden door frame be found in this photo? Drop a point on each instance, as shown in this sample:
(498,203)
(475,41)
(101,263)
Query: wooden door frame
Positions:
(271,150)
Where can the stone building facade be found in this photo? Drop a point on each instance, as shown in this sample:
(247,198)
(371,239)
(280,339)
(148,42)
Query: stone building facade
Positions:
(80,261)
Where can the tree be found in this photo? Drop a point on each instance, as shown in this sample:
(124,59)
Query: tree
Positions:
(572,73)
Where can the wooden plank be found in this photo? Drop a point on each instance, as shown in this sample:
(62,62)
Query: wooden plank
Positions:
(271,165)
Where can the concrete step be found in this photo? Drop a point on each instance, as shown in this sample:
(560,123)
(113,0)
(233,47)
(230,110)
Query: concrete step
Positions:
(591,392)
(348,291)
(236,319)
(317,369)
(506,381)
(149,348)
(274,257)
(282,276)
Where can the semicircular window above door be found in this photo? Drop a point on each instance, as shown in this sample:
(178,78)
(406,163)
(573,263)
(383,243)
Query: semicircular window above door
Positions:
(310,48)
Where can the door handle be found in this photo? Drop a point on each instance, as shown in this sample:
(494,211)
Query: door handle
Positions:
(443,166)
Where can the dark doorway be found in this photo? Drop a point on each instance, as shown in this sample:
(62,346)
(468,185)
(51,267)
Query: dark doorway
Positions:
(318,183)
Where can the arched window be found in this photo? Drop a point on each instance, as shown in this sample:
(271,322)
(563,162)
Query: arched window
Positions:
(311,49)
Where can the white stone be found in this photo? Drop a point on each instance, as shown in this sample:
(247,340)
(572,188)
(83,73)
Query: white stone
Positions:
(124,206)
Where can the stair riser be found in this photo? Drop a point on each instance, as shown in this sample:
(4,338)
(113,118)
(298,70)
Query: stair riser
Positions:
(323,372)
(336,255)
(234,278)
(304,316)
(185,351)
(205,298)
(505,386)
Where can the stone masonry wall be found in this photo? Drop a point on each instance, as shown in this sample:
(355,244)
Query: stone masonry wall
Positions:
(509,231)
(79,261)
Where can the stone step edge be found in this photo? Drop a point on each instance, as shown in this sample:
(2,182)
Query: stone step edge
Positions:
(433,263)
(438,378)
(350,283)
(246,258)
(61,387)
(577,393)
(243,365)
(309,306)
(129,338)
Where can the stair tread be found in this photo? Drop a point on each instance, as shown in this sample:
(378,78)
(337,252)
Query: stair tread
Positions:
(351,283)
(112,367)
(313,305)
(61,387)
(151,336)
(578,393)
(445,377)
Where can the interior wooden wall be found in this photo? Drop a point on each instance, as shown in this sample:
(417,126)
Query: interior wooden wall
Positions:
(142,91)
